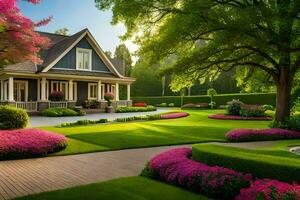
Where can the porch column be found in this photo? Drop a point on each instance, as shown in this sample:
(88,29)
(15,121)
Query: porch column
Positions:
(2,90)
(43,89)
(117,92)
(70,90)
(128,92)
(99,97)
(10,89)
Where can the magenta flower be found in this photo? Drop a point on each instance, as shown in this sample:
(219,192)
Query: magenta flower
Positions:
(243,135)
(232,117)
(269,190)
(26,143)
(174,115)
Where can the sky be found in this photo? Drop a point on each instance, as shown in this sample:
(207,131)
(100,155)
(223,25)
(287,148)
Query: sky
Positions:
(77,15)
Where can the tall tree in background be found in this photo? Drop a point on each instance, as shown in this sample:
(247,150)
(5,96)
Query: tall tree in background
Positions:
(108,54)
(18,40)
(260,34)
(123,53)
(62,31)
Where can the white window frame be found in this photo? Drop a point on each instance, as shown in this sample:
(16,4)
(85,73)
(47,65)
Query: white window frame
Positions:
(66,93)
(102,91)
(57,87)
(89,51)
(89,91)
(26,88)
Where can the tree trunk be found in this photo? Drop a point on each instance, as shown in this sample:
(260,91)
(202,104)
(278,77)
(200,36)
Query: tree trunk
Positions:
(283,97)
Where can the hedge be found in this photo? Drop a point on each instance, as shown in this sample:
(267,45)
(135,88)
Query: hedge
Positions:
(13,118)
(221,99)
(257,163)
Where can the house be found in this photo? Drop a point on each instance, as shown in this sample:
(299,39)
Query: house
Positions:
(75,65)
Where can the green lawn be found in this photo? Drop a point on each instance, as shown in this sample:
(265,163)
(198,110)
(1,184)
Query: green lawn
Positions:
(193,129)
(131,188)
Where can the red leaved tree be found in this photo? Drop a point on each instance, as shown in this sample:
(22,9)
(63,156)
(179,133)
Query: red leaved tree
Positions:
(18,40)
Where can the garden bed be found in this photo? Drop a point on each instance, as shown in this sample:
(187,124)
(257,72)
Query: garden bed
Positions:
(28,143)
(231,117)
(244,135)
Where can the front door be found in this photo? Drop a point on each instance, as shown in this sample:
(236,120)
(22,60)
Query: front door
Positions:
(20,90)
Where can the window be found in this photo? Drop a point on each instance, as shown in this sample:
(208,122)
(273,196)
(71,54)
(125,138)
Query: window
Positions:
(84,59)
(92,92)
(20,90)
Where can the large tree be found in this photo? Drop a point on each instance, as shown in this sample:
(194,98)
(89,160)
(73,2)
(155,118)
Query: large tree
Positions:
(63,31)
(122,53)
(259,34)
(18,40)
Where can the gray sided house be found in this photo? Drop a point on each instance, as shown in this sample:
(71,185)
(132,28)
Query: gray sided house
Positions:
(74,65)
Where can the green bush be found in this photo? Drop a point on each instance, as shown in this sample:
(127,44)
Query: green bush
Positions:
(82,122)
(296,106)
(135,109)
(252,111)
(58,112)
(171,105)
(234,107)
(268,107)
(220,99)
(79,111)
(13,118)
(90,104)
(249,161)
(293,123)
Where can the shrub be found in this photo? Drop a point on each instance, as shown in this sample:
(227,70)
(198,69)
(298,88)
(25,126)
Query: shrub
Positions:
(244,135)
(13,118)
(174,115)
(252,111)
(79,111)
(56,96)
(212,92)
(58,112)
(83,122)
(27,143)
(268,107)
(259,163)
(270,189)
(293,123)
(234,107)
(171,105)
(162,105)
(108,96)
(90,104)
(139,105)
(230,117)
(135,109)
(296,106)
(175,167)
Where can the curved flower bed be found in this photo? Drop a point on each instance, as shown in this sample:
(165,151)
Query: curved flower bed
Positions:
(175,167)
(231,117)
(270,189)
(27,143)
(243,135)
(174,115)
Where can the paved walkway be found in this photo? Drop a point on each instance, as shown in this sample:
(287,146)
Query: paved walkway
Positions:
(29,176)
(36,121)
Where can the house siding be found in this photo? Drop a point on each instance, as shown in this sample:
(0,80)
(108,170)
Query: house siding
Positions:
(69,60)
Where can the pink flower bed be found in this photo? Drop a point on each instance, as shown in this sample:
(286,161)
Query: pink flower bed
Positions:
(174,115)
(231,117)
(270,190)
(243,135)
(140,104)
(26,143)
(175,167)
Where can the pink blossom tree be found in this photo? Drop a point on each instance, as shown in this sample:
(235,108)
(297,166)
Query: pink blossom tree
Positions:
(18,40)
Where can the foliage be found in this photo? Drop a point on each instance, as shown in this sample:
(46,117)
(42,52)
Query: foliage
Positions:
(28,143)
(293,123)
(135,109)
(234,107)
(90,104)
(256,162)
(234,117)
(296,106)
(59,112)
(19,42)
(13,118)
(140,104)
(56,96)
(175,167)
(108,96)
(79,111)
(122,53)
(268,107)
(212,92)
(83,122)
(171,105)
(244,135)
(270,189)
(63,31)
(252,111)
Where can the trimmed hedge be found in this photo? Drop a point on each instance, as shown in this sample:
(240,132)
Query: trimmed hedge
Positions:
(62,112)
(220,99)
(249,161)
(135,109)
(13,118)
(82,122)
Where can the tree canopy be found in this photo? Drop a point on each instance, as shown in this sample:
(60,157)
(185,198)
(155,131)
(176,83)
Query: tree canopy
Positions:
(258,34)
(123,53)
(62,31)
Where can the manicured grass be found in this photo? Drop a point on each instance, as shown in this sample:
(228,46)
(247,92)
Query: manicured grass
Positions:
(273,162)
(131,188)
(195,128)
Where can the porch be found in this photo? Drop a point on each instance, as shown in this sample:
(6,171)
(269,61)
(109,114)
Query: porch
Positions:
(33,94)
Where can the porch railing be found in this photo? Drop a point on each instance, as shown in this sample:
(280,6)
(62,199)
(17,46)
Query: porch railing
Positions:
(58,104)
(29,106)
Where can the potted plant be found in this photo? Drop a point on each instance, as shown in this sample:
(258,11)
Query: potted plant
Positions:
(109,97)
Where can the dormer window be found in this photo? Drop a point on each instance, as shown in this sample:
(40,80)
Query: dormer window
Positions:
(84,59)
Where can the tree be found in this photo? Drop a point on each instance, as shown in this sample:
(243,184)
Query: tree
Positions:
(18,40)
(62,31)
(259,34)
(108,54)
(123,53)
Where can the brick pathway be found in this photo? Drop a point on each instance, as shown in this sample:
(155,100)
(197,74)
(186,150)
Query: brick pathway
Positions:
(23,177)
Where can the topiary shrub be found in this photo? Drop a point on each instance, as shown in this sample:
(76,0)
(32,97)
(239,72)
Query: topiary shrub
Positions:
(211,93)
(58,112)
(234,107)
(13,118)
